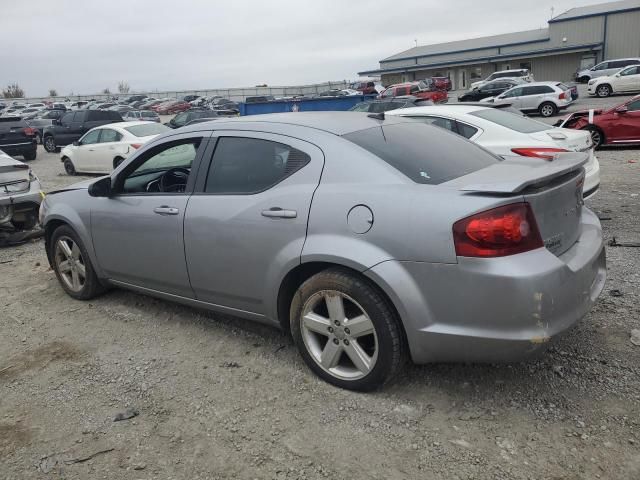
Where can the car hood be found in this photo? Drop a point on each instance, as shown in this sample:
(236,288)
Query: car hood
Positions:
(84,185)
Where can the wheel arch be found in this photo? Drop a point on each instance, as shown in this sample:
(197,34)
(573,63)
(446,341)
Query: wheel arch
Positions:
(302,272)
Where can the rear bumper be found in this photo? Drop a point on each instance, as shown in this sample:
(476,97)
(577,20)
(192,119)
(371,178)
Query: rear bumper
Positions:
(495,310)
(20,148)
(20,205)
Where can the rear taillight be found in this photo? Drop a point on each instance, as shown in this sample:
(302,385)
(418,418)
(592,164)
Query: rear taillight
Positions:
(29,132)
(539,152)
(136,145)
(562,96)
(498,232)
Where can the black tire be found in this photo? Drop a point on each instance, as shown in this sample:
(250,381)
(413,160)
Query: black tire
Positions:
(68,166)
(117,161)
(50,144)
(603,90)
(584,79)
(92,286)
(597,135)
(547,109)
(31,155)
(390,346)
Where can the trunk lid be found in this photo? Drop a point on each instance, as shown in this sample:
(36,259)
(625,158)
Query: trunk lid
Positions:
(12,131)
(12,171)
(572,140)
(553,189)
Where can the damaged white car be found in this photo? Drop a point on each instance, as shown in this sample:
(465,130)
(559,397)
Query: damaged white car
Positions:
(20,198)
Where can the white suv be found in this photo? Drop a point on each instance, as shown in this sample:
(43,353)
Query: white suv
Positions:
(604,69)
(545,98)
(625,80)
(521,73)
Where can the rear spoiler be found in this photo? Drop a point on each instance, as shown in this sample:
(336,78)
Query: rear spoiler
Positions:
(514,174)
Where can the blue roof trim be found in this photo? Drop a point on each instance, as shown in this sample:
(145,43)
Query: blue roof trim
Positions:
(415,57)
(601,14)
(479,59)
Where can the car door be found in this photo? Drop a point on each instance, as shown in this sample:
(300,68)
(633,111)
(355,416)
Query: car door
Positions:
(513,96)
(78,127)
(247,221)
(138,231)
(626,124)
(106,150)
(84,152)
(531,98)
(629,80)
(62,131)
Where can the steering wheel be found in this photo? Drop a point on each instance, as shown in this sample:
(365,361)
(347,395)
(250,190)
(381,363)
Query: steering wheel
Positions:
(174,180)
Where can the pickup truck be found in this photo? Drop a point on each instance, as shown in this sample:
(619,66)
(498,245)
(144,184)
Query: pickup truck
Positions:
(72,125)
(421,90)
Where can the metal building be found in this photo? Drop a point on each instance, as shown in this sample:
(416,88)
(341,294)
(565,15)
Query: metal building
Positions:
(575,39)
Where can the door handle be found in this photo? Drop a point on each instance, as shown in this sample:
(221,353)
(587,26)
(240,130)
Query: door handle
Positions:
(277,212)
(165,210)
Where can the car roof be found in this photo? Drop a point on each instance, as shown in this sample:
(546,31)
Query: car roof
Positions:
(132,123)
(459,108)
(337,123)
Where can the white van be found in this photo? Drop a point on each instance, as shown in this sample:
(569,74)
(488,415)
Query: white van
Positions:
(606,68)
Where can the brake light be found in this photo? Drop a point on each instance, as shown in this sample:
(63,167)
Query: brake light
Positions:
(498,232)
(136,145)
(562,96)
(548,153)
(29,132)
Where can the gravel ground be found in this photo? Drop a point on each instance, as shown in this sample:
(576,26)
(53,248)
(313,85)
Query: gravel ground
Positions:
(221,398)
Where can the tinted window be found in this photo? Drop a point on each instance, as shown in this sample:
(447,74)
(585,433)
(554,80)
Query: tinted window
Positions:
(67,118)
(79,117)
(630,71)
(90,138)
(514,92)
(602,66)
(414,89)
(109,135)
(536,90)
(634,106)
(509,120)
(617,64)
(250,165)
(423,153)
(467,131)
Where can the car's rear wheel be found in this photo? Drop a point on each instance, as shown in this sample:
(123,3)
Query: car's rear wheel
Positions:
(30,155)
(72,265)
(547,109)
(68,166)
(346,331)
(597,136)
(603,90)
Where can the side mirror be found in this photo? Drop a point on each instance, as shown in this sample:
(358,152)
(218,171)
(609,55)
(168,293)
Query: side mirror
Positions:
(76,143)
(56,121)
(622,109)
(101,188)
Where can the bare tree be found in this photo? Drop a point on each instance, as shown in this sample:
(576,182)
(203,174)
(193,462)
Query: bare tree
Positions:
(13,91)
(106,91)
(53,92)
(123,86)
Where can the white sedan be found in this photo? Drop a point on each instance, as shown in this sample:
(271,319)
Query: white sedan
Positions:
(103,148)
(508,134)
(626,80)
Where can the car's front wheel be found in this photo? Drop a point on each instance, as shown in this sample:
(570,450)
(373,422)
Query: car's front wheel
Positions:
(50,144)
(597,137)
(603,90)
(547,109)
(68,166)
(346,331)
(72,265)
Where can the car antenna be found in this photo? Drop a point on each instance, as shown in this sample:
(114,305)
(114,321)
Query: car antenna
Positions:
(377,116)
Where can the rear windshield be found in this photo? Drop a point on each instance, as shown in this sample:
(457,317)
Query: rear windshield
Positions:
(422,152)
(147,129)
(6,123)
(512,121)
(148,114)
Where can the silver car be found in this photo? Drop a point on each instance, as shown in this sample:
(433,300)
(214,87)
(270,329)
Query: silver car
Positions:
(605,69)
(369,239)
(544,98)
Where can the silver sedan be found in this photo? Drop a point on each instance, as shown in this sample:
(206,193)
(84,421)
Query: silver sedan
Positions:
(370,240)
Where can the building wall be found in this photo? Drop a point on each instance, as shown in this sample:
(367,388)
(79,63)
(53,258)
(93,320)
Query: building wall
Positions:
(577,32)
(623,35)
(556,67)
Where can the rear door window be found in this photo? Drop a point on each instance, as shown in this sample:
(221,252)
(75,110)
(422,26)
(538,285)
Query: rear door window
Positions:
(466,130)
(109,135)
(244,165)
(423,153)
(441,122)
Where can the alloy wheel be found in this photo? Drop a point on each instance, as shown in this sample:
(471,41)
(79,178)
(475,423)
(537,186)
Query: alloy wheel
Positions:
(603,91)
(70,264)
(339,335)
(546,110)
(49,144)
(596,138)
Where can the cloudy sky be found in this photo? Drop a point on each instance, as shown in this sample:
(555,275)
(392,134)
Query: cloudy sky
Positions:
(84,46)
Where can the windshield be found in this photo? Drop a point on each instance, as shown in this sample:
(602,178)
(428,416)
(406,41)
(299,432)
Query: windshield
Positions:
(422,152)
(147,129)
(512,121)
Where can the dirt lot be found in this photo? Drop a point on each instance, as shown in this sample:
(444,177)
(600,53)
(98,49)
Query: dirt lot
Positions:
(221,398)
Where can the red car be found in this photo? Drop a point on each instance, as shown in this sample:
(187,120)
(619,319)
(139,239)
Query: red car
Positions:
(172,107)
(423,90)
(442,83)
(367,88)
(619,125)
